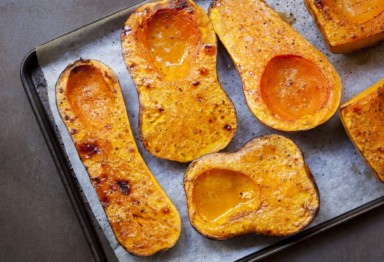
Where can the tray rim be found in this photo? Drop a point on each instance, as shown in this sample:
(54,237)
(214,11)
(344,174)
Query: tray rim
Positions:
(84,215)
(59,158)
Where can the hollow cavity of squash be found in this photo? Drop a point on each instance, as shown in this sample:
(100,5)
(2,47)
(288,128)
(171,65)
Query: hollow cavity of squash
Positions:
(89,96)
(264,188)
(218,191)
(172,41)
(292,87)
(92,107)
(169,48)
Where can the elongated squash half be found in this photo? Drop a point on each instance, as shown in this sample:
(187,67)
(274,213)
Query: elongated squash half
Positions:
(363,119)
(288,84)
(264,188)
(170,48)
(348,25)
(91,105)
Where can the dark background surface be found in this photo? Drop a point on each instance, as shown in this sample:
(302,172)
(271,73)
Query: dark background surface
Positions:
(37,222)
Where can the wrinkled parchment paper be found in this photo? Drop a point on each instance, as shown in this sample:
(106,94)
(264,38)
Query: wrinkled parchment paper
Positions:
(343,178)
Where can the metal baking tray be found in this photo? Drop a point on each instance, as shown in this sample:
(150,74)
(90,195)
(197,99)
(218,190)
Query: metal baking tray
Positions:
(36,89)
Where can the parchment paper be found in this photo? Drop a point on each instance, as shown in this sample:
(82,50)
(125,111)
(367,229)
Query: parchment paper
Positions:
(343,178)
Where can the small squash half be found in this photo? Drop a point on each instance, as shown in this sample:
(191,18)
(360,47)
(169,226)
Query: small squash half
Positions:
(348,25)
(170,48)
(92,107)
(288,84)
(363,119)
(264,188)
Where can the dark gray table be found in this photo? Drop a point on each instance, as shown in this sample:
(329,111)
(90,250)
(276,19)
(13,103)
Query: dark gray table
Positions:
(37,222)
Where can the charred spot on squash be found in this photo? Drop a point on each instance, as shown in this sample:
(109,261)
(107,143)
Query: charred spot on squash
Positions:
(96,181)
(196,83)
(292,87)
(179,4)
(104,188)
(89,95)
(104,200)
(218,191)
(87,149)
(204,71)
(319,4)
(172,40)
(210,49)
(124,186)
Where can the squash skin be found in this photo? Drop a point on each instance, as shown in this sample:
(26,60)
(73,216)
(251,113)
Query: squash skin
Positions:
(344,34)
(91,105)
(255,35)
(287,199)
(363,120)
(182,115)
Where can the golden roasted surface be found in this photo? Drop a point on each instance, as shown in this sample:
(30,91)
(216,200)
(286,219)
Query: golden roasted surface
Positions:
(170,48)
(363,119)
(91,105)
(348,25)
(288,84)
(264,188)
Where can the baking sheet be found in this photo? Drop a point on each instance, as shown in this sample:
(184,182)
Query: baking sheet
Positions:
(343,178)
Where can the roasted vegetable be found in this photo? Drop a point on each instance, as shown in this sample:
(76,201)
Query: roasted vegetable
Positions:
(363,119)
(288,84)
(91,105)
(265,188)
(348,25)
(169,48)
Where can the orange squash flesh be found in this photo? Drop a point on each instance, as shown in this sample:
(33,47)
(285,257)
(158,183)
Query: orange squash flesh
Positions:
(363,119)
(288,84)
(293,87)
(173,40)
(170,49)
(217,191)
(264,188)
(358,11)
(91,105)
(348,25)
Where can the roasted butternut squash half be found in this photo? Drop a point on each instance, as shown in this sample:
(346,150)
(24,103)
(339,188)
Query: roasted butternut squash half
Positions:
(170,48)
(348,25)
(288,84)
(264,188)
(363,119)
(91,105)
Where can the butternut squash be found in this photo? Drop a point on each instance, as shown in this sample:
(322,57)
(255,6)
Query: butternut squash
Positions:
(264,188)
(288,84)
(348,25)
(92,107)
(363,119)
(170,48)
